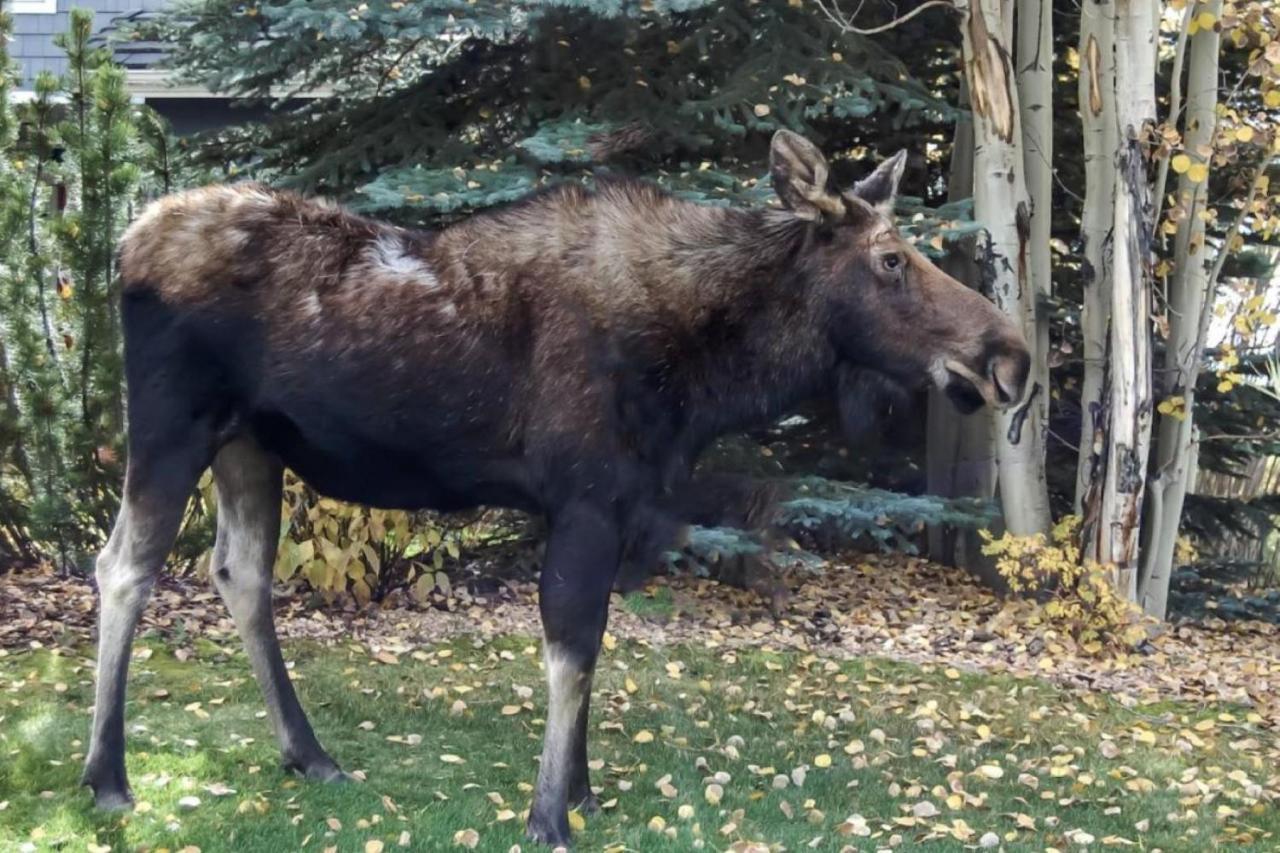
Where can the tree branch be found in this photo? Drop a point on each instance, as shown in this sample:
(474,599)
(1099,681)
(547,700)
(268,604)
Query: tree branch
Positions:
(1175,107)
(846,24)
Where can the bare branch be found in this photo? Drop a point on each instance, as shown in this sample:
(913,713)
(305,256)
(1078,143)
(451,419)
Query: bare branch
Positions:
(846,24)
(1175,107)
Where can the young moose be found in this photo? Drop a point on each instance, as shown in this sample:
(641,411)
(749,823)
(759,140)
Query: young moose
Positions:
(570,354)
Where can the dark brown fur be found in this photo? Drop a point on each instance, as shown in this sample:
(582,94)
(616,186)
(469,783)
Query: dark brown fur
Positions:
(570,354)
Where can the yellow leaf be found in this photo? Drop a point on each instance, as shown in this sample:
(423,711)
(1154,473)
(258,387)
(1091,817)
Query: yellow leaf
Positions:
(576,821)
(822,760)
(1244,134)
(643,736)
(1180,163)
(1198,173)
(468,838)
(1272,98)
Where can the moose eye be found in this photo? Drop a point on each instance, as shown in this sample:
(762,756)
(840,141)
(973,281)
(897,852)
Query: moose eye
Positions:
(891,262)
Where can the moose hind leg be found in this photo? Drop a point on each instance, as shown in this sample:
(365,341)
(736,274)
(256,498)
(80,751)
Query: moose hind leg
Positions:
(155,497)
(578,574)
(248,482)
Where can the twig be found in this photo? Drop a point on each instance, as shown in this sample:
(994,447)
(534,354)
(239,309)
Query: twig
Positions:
(1250,437)
(846,24)
(1175,106)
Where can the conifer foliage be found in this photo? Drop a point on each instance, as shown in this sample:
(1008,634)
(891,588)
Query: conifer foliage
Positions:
(68,181)
(443,107)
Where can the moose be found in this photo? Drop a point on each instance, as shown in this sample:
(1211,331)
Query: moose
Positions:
(569,354)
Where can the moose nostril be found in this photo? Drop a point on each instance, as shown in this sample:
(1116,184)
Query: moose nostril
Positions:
(1008,374)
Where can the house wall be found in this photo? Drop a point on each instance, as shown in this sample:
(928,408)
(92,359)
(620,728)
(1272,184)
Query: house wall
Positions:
(32,46)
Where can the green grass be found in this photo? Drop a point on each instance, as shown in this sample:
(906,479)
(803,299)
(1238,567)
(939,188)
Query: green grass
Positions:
(754,715)
(656,602)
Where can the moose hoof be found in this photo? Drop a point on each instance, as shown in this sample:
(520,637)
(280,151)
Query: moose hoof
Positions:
(320,768)
(543,830)
(109,794)
(586,805)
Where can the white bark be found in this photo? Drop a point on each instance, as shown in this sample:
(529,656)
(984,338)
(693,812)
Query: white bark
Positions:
(1034,59)
(1001,204)
(1114,510)
(1097,114)
(1189,294)
(960,449)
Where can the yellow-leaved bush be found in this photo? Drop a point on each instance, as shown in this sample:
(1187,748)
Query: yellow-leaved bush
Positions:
(338,547)
(1072,595)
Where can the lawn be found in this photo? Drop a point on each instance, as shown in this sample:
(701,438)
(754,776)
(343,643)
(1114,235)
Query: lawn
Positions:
(693,748)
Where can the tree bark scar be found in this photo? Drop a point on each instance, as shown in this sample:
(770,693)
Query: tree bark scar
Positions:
(1093,59)
(990,87)
(1022,222)
(1131,474)
(1020,416)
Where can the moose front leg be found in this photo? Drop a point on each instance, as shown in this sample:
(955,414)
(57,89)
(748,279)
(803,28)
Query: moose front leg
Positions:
(577,576)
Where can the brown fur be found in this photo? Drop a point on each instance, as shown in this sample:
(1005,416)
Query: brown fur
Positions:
(570,354)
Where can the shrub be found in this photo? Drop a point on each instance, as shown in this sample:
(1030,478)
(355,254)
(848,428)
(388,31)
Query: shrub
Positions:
(1070,594)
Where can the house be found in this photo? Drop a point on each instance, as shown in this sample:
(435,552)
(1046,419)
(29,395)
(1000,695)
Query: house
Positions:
(189,108)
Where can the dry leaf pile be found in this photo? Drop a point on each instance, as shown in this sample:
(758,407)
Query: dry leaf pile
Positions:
(894,607)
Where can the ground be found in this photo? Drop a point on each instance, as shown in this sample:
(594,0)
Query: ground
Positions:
(890,705)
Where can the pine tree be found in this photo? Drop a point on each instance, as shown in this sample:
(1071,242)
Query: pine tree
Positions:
(441,108)
(67,185)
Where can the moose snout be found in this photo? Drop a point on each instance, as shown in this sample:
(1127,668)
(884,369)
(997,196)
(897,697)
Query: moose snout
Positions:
(1008,366)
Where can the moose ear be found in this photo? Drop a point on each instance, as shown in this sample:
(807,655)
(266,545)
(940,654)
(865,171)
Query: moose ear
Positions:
(800,176)
(880,188)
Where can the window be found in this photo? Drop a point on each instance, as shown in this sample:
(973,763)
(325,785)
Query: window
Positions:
(33,7)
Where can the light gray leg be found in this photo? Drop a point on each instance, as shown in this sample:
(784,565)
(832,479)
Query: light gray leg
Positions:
(249,485)
(126,570)
(573,597)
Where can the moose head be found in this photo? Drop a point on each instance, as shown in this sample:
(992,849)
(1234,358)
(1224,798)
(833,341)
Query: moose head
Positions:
(890,308)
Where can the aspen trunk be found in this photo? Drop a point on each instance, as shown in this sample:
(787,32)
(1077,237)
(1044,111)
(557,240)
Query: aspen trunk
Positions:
(960,449)
(1113,508)
(1189,295)
(1002,205)
(1097,115)
(1034,60)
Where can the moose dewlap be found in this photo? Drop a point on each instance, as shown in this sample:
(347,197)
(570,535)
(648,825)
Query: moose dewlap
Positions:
(570,354)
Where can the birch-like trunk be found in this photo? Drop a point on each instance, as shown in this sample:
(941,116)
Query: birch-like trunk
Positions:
(1113,508)
(1002,205)
(960,449)
(1189,295)
(1098,118)
(1034,60)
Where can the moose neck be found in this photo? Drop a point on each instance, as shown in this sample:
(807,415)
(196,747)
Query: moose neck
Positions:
(761,339)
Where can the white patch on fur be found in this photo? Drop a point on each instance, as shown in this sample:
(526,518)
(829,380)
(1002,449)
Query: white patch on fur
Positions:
(311,306)
(939,374)
(388,254)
